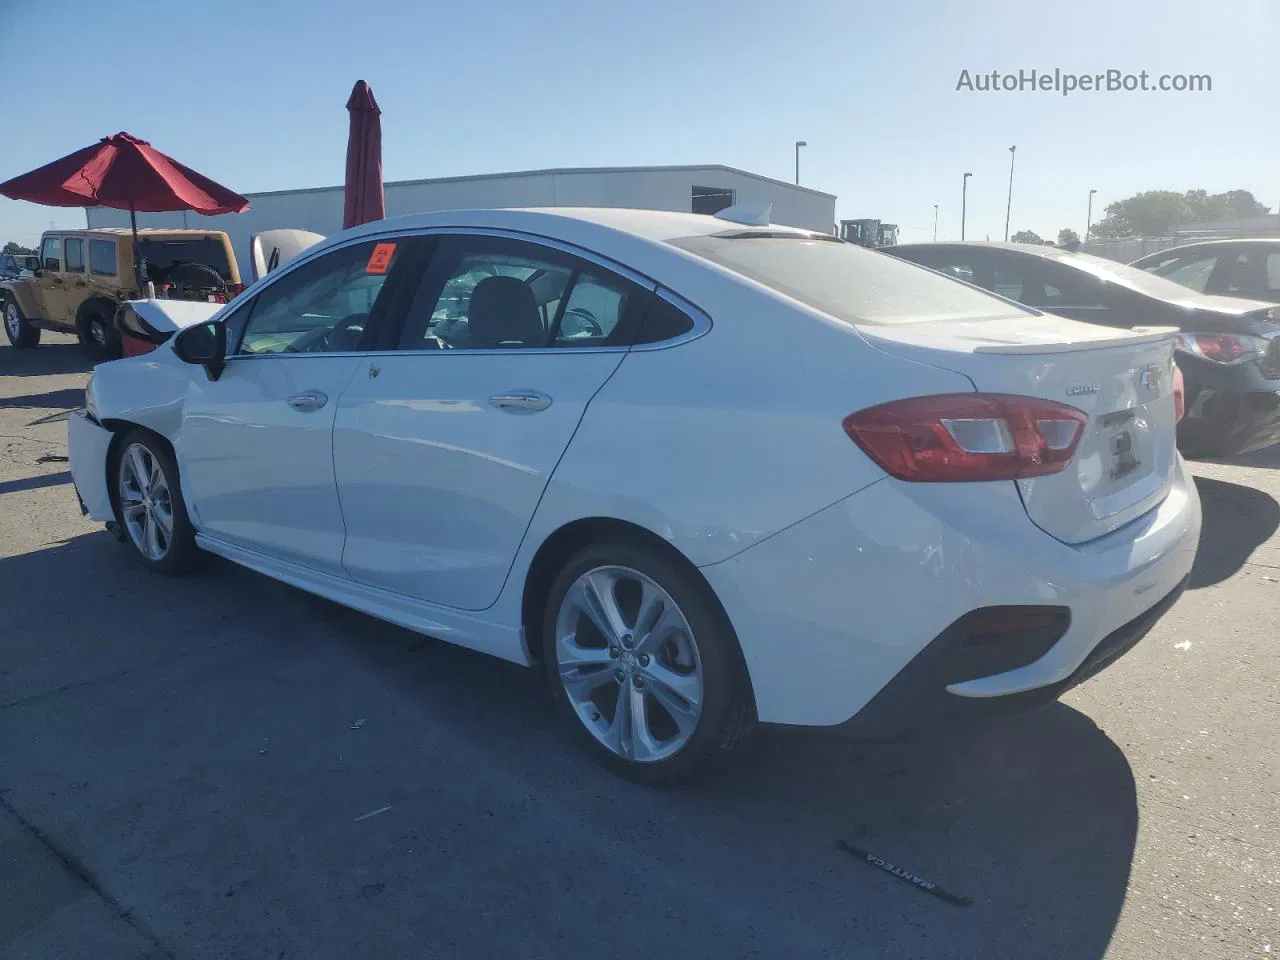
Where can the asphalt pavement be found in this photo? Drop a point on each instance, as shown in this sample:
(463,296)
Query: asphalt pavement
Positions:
(224,767)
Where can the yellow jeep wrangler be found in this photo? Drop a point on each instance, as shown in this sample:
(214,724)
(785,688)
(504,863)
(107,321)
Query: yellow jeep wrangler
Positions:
(84,275)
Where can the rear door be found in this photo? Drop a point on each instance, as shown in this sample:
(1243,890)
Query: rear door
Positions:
(256,445)
(443,446)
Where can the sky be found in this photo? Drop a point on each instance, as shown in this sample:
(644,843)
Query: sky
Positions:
(253,95)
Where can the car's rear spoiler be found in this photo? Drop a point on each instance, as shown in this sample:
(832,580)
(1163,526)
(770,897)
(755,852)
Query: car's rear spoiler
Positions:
(155,321)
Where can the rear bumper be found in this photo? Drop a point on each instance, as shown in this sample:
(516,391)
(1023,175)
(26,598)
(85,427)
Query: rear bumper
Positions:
(917,700)
(1224,422)
(87,446)
(832,610)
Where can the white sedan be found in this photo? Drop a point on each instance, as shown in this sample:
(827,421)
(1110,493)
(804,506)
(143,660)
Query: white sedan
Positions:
(703,472)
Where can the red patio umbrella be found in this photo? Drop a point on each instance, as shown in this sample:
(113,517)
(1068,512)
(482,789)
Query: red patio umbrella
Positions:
(124,173)
(364,197)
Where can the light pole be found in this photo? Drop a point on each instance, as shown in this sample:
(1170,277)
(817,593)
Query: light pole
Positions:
(935,223)
(1088,217)
(964,200)
(1013,152)
(799,144)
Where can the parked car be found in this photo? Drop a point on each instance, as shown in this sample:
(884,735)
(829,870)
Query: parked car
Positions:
(700,473)
(1233,268)
(82,276)
(1228,349)
(14,265)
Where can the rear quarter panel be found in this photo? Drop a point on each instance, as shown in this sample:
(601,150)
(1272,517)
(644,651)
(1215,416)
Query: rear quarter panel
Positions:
(718,443)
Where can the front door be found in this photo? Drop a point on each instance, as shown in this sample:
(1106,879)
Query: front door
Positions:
(256,445)
(50,288)
(443,448)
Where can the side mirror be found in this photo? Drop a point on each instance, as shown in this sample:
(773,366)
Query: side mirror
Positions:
(205,344)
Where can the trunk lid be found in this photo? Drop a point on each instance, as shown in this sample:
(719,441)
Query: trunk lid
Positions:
(1122,379)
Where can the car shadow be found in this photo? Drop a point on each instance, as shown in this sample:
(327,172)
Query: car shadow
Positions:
(232,751)
(67,399)
(1237,520)
(1266,457)
(34,482)
(44,360)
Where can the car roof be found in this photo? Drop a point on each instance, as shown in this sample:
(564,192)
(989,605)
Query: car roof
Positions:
(1223,242)
(143,232)
(654,225)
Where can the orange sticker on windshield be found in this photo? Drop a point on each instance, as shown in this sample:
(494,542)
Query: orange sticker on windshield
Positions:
(380,259)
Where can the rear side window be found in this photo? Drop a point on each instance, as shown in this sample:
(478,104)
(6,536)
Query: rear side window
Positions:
(75,255)
(102,258)
(663,321)
(1190,272)
(847,281)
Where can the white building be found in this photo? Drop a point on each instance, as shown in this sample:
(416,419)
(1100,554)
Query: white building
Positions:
(698,189)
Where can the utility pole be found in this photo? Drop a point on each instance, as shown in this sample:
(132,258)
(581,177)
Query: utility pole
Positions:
(964,200)
(1088,218)
(1013,152)
(799,144)
(935,223)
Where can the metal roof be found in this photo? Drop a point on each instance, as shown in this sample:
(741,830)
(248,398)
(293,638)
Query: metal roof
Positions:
(555,171)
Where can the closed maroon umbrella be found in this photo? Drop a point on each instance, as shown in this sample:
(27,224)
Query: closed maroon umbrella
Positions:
(364,197)
(124,173)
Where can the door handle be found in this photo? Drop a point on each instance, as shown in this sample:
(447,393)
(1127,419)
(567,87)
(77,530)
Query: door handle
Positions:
(529,400)
(308,400)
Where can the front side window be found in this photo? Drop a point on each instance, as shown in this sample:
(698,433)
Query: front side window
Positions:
(496,293)
(323,306)
(51,253)
(1273,273)
(74,250)
(102,258)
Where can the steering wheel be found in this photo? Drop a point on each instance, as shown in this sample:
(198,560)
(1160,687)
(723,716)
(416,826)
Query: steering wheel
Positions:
(327,339)
(586,317)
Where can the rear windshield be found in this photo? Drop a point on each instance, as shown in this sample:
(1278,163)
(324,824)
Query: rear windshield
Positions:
(161,256)
(1136,279)
(848,282)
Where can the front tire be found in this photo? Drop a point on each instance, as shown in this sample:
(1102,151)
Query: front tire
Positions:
(639,653)
(22,333)
(149,504)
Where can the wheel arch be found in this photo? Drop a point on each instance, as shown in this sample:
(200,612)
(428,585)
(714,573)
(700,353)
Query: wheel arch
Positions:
(120,429)
(21,293)
(96,304)
(556,550)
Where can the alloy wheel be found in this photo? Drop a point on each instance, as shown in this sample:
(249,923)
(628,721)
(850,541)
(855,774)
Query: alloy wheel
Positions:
(12,321)
(629,664)
(98,332)
(146,504)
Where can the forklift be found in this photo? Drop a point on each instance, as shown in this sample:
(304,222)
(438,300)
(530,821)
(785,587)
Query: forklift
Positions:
(869,233)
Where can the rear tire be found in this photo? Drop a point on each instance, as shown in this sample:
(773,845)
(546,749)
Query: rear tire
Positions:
(660,694)
(150,511)
(22,333)
(97,337)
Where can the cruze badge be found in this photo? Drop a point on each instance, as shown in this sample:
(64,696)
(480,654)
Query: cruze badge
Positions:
(1082,389)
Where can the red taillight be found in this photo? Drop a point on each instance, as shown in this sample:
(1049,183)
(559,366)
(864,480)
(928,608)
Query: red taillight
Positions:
(1221,347)
(960,437)
(1179,394)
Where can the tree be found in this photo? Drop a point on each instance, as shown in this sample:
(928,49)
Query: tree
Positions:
(1025,236)
(1068,238)
(1156,213)
(17,249)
